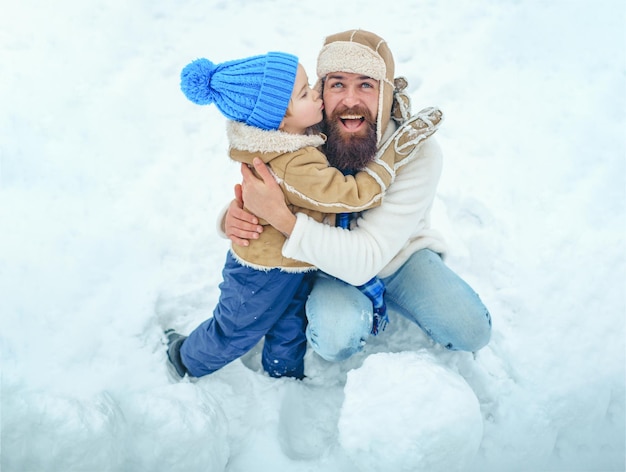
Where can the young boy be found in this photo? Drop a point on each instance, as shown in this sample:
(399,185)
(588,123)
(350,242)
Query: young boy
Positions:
(271,109)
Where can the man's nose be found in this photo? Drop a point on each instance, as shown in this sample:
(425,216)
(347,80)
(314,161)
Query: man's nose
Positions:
(350,98)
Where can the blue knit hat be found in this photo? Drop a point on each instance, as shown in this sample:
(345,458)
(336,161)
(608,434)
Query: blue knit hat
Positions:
(255,90)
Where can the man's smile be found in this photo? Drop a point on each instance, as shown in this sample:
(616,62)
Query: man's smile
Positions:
(352,123)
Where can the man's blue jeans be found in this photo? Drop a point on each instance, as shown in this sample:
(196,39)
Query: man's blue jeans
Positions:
(424,290)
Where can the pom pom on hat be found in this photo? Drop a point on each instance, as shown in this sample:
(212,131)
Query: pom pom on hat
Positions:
(255,90)
(195,80)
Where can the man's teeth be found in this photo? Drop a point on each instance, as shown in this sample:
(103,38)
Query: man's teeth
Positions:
(351,117)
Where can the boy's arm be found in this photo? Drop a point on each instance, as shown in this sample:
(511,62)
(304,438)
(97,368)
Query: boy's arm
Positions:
(308,181)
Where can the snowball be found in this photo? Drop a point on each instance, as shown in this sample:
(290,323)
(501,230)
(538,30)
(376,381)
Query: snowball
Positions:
(405,412)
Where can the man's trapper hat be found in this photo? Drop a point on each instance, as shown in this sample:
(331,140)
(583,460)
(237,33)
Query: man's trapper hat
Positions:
(361,52)
(255,90)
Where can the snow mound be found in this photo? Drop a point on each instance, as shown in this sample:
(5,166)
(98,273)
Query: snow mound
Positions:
(308,420)
(154,430)
(386,423)
(176,426)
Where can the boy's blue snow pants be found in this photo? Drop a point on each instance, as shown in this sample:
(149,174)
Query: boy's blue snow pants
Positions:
(253,304)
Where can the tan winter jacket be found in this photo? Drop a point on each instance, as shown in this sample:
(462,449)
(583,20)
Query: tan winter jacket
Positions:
(309,183)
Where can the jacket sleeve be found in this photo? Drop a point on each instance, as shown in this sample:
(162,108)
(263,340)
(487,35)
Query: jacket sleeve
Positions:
(310,182)
(356,256)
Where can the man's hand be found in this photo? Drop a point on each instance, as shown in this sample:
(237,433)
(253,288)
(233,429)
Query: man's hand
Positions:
(264,197)
(239,225)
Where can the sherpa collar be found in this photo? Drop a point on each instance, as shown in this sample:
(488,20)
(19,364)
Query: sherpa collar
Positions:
(251,139)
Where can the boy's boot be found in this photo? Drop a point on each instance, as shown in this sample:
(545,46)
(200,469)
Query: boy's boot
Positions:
(175,364)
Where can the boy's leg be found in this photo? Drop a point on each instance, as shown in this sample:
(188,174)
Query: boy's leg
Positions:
(251,301)
(340,318)
(285,342)
(428,293)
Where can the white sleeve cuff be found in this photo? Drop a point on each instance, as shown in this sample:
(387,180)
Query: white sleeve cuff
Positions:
(219,222)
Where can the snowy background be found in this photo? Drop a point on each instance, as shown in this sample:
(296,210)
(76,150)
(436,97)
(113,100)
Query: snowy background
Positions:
(110,182)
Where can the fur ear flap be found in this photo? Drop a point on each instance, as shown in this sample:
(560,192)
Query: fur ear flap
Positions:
(401,105)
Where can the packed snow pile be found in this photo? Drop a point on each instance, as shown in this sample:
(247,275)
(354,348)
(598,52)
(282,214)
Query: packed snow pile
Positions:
(397,409)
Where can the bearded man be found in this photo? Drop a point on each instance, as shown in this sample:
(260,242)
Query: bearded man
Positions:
(364,105)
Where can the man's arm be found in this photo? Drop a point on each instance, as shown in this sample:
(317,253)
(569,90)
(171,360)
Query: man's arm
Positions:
(239,225)
(265,198)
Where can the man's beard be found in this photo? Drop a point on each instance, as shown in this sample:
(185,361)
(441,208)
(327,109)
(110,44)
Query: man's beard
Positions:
(346,151)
